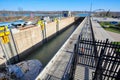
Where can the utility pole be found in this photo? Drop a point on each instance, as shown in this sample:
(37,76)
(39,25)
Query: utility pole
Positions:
(91,9)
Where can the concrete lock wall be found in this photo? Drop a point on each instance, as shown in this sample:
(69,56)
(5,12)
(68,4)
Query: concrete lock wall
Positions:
(66,22)
(50,29)
(27,38)
(58,57)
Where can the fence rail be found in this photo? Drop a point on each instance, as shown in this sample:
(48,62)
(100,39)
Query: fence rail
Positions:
(105,60)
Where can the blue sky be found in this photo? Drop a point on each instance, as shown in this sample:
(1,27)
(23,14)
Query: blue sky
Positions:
(59,5)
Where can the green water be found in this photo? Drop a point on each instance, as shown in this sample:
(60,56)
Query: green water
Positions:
(49,49)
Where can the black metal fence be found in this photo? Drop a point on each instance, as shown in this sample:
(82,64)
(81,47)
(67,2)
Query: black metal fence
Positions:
(104,56)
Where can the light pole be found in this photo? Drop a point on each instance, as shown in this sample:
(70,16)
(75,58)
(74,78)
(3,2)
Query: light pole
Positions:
(91,7)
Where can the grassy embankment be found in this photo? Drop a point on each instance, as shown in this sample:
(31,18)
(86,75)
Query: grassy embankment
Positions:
(118,50)
(110,27)
(113,28)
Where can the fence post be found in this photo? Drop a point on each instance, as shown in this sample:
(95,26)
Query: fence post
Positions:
(94,44)
(98,70)
(74,63)
(118,75)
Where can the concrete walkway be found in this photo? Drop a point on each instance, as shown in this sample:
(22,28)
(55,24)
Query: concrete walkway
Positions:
(115,36)
(84,72)
(102,19)
(99,32)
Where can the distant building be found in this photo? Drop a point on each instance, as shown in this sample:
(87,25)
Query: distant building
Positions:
(66,13)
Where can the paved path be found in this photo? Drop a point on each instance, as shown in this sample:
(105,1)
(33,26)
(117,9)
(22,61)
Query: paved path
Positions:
(99,32)
(115,36)
(105,19)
